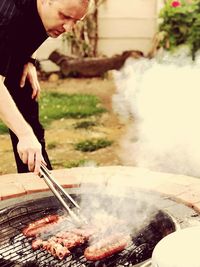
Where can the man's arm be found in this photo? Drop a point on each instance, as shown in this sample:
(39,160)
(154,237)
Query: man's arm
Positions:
(28,147)
(30,73)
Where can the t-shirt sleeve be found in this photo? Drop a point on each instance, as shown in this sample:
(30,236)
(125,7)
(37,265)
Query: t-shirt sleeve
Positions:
(5,53)
(6,14)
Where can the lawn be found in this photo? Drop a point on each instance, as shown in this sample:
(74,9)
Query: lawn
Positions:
(77,113)
(56,105)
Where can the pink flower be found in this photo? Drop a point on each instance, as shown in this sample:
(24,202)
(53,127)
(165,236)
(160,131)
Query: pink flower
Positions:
(176,4)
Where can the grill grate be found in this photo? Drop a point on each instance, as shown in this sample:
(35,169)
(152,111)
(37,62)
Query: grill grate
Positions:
(19,250)
(16,250)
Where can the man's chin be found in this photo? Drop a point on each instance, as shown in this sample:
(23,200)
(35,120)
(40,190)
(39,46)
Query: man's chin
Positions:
(53,34)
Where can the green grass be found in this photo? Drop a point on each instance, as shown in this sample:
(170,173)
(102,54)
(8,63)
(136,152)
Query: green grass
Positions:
(84,124)
(71,163)
(54,106)
(92,145)
(3,128)
(52,145)
(74,163)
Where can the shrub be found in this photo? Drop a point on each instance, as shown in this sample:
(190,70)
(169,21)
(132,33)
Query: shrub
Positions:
(180,24)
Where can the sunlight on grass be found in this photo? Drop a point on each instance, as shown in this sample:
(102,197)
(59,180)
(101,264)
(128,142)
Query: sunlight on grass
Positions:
(92,145)
(54,106)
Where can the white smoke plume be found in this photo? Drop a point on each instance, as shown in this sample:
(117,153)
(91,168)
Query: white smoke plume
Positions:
(118,209)
(162,97)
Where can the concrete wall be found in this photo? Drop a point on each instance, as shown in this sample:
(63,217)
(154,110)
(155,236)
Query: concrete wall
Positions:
(126,24)
(123,25)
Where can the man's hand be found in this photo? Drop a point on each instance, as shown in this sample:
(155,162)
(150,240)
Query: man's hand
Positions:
(29,150)
(30,73)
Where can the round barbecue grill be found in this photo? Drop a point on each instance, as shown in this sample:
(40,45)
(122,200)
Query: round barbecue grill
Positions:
(16,250)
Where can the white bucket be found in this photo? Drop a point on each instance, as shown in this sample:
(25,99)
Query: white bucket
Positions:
(178,249)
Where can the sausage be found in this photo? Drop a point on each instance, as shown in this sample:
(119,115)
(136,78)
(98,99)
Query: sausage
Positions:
(54,248)
(32,228)
(107,247)
(73,240)
(59,245)
(57,250)
(41,230)
(36,244)
(84,232)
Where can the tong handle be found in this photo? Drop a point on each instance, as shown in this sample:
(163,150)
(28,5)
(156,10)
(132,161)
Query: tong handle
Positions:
(52,179)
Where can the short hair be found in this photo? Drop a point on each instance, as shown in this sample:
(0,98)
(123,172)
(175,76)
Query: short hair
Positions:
(81,1)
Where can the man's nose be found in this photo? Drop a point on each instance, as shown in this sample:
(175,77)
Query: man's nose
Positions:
(68,26)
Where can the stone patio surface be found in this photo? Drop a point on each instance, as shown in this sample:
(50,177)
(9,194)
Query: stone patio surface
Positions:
(181,188)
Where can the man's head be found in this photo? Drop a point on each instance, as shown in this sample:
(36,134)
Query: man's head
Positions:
(59,16)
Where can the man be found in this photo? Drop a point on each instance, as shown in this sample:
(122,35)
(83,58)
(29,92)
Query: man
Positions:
(24,26)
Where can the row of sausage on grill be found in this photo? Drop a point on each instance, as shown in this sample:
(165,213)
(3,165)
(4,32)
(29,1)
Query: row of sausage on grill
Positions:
(61,243)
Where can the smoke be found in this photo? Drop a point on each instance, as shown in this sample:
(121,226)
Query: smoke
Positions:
(109,209)
(161,99)
(113,209)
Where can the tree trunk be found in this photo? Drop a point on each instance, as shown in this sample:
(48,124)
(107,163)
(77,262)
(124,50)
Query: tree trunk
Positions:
(91,67)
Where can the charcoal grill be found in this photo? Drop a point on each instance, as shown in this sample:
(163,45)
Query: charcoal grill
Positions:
(15,249)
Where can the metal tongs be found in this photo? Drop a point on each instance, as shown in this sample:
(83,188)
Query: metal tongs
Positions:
(59,192)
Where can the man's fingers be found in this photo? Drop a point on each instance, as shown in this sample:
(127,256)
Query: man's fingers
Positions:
(35,87)
(34,93)
(30,73)
(30,154)
(36,90)
(23,79)
(31,161)
(44,162)
(37,163)
(24,158)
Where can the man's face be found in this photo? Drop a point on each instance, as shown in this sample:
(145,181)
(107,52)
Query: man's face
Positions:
(59,16)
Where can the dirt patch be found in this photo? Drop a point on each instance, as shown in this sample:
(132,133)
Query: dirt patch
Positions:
(62,134)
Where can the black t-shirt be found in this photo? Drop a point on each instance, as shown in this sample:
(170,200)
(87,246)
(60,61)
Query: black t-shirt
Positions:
(21,33)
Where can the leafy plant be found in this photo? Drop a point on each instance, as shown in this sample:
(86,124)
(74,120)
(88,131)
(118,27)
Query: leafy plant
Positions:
(180,24)
(92,145)
(83,38)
